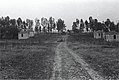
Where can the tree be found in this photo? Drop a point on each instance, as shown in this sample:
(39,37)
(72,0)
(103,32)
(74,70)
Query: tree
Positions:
(86,23)
(99,26)
(108,23)
(39,28)
(13,32)
(105,29)
(24,25)
(96,25)
(7,20)
(77,21)
(91,23)
(50,24)
(60,25)
(37,24)
(54,26)
(48,27)
(117,26)
(13,22)
(44,23)
(81,25)
(8,29)
(74,28)
(29,23)
(19,21)
(36,28)
(112,26)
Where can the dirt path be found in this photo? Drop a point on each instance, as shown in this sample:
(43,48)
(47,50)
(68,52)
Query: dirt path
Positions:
(69,66)
(57,65)
(94,75)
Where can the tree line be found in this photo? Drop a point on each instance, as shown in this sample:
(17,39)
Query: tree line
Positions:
(9,28)
(94,25)
(48,25)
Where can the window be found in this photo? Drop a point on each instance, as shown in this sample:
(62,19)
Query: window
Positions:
(114,36)
(22,35)
(99,34)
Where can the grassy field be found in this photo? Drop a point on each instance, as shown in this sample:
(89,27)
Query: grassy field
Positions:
(100,55)
(28,59)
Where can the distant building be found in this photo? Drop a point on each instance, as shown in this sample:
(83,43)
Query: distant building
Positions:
(98,34)
(111,36)
(31,33)
(54,31)
(23,35)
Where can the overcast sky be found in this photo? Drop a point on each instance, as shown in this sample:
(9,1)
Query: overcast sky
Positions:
(68,10)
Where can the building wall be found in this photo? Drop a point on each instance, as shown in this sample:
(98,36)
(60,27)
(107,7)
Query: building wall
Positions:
(111,38)
(117,37)
(25,36)
(98,35)
(31,34)
(104,36)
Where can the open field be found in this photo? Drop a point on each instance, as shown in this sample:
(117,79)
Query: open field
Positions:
(102,56)
(28,59)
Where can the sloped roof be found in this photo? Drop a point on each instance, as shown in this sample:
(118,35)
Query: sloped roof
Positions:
(112,33)
(99,31)
(23,32)
(30,30)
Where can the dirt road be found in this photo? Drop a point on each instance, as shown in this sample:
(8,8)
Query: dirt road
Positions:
(69,66)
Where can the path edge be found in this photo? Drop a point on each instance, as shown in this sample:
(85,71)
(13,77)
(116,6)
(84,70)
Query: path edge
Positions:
(94,75)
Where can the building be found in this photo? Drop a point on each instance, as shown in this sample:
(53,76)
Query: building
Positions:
(98,34)
(31,33)
(111,36)
(23,35)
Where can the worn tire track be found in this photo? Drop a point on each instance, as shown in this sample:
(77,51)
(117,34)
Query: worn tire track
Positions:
(69,66)
(57,65)
(94,75)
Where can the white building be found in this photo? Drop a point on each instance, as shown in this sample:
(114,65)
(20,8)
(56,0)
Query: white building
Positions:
(98,34)
(111,36)
(23,35)
(31,33)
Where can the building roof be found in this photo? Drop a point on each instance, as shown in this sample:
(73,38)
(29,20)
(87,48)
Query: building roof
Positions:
(99,31)
(23,32)
(112,33)
(30,30)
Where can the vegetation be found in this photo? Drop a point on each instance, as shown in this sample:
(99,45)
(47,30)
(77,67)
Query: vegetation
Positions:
(102,56)
(9,28)
(60,25)
(48,25)
(94,25)
(28,59)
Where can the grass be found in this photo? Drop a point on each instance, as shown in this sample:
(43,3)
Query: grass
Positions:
(102,56)
(28,59)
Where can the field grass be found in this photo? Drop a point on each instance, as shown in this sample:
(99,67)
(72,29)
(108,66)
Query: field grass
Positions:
(102,56)
(28,59)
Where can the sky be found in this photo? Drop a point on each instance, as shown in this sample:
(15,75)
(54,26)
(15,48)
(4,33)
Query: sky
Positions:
(68,10)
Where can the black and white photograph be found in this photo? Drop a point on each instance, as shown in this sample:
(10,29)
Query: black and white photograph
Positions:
(59,39)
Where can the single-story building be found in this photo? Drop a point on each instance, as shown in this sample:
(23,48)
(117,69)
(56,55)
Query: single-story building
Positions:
(111,36)
(23,35)
(98,34)
(31,33)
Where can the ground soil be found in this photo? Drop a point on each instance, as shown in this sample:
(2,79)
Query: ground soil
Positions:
(51,59)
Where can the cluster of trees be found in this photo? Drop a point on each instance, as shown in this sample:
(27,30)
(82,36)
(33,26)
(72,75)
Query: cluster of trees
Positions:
(94,25)
(48,25)
(9,28)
